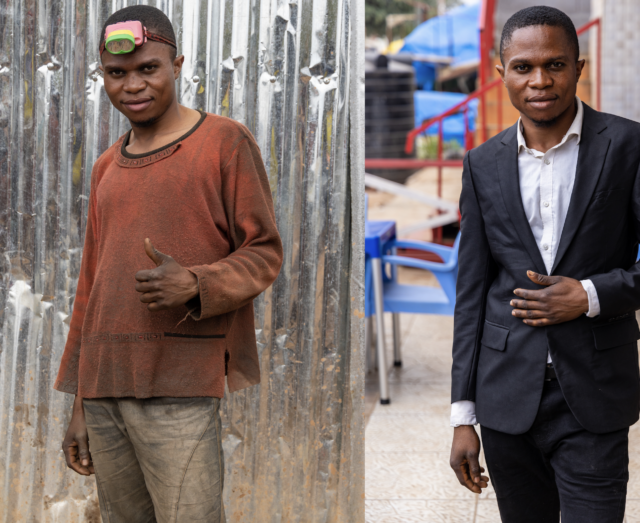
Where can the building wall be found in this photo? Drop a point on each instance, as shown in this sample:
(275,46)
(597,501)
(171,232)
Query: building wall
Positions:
(578,10)
(620,43)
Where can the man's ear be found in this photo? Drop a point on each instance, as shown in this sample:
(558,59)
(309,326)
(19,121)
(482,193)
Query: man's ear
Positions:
(500,69)
(177,66)
(579,67)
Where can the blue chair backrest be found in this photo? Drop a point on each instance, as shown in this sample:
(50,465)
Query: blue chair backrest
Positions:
(446,273)
(448,280)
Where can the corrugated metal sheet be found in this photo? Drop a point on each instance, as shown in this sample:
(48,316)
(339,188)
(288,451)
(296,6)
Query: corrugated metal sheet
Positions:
(291,70)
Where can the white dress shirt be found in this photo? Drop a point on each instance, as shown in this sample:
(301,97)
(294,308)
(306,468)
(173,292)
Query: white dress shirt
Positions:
(546,184)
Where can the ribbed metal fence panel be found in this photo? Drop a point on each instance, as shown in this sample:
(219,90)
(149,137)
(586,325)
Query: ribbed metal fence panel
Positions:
(291,70)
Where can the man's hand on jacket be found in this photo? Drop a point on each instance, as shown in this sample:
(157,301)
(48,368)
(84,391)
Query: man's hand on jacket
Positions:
(167,286)
(465,451)
(564,299)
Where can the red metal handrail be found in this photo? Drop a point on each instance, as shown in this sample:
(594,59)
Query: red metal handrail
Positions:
(408,148)
(408,163)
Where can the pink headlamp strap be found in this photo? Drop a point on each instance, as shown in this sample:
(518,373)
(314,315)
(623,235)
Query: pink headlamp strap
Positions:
(124,37)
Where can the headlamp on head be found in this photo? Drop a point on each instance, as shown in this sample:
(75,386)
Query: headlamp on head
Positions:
(124,37)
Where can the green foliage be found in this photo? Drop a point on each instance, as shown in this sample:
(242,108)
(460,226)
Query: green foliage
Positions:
(376,11)
(427,148)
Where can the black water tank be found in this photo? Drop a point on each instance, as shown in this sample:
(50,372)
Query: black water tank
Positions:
(389,116)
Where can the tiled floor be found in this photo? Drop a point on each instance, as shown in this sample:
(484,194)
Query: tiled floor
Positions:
(408,479)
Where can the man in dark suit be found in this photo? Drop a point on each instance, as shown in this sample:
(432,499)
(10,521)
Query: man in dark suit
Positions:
(544,353)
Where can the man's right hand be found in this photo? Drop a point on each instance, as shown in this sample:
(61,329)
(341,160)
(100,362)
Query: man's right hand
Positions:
(465,451)
(76,443)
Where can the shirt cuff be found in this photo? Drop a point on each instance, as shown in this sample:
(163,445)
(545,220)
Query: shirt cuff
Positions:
(463,413)
(592,295)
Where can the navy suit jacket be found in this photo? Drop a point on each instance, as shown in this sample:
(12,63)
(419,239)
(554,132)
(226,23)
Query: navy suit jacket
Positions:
(498,361)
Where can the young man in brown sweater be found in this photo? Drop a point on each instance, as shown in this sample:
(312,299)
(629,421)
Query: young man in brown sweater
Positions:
(152,333)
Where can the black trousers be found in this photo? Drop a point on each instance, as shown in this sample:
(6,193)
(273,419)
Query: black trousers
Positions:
(557,466)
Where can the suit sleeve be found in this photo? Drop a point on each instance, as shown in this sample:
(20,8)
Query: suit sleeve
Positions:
(476,271)
(255,262)
(618,291)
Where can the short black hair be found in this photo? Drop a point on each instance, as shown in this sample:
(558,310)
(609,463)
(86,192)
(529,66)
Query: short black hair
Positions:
(150,17)
(539,15)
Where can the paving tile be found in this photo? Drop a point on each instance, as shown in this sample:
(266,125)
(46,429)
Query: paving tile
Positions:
(450,511)
(634,438)
(408,433)
(633,487)
(432,329)
(418,398)
(487,511)
(378,509)
(632,514)
(391,475)
(407,444)
(423,368)
(427,360)
(419,511)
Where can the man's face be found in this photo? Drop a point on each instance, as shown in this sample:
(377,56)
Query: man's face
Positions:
(541,73)
(141,85)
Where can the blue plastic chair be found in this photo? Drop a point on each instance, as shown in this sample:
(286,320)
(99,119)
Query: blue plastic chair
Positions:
(414,299)
(378,236)
(421,299)
(397,298)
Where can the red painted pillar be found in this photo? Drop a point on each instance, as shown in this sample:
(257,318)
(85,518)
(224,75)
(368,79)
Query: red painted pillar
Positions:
(486,45)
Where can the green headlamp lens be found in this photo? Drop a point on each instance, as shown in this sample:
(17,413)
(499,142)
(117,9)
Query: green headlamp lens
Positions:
(120,44)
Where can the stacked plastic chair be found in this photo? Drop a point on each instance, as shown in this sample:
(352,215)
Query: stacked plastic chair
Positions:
(381,275)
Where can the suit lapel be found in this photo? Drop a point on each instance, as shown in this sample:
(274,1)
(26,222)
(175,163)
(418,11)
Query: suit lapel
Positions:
(591,156)
(507,162)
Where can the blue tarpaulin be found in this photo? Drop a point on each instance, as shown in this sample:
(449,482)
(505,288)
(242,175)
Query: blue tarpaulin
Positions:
(428,104)
(455,34)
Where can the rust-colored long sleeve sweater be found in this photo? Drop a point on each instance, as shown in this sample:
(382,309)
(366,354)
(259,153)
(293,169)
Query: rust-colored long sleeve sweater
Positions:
(205,200)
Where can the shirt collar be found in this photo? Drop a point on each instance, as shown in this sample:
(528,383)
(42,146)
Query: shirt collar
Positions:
(574,130)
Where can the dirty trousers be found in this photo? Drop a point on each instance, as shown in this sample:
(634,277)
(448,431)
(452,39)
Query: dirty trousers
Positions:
(157,459)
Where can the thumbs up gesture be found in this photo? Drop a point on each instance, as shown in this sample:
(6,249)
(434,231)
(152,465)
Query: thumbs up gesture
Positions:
(167,286)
